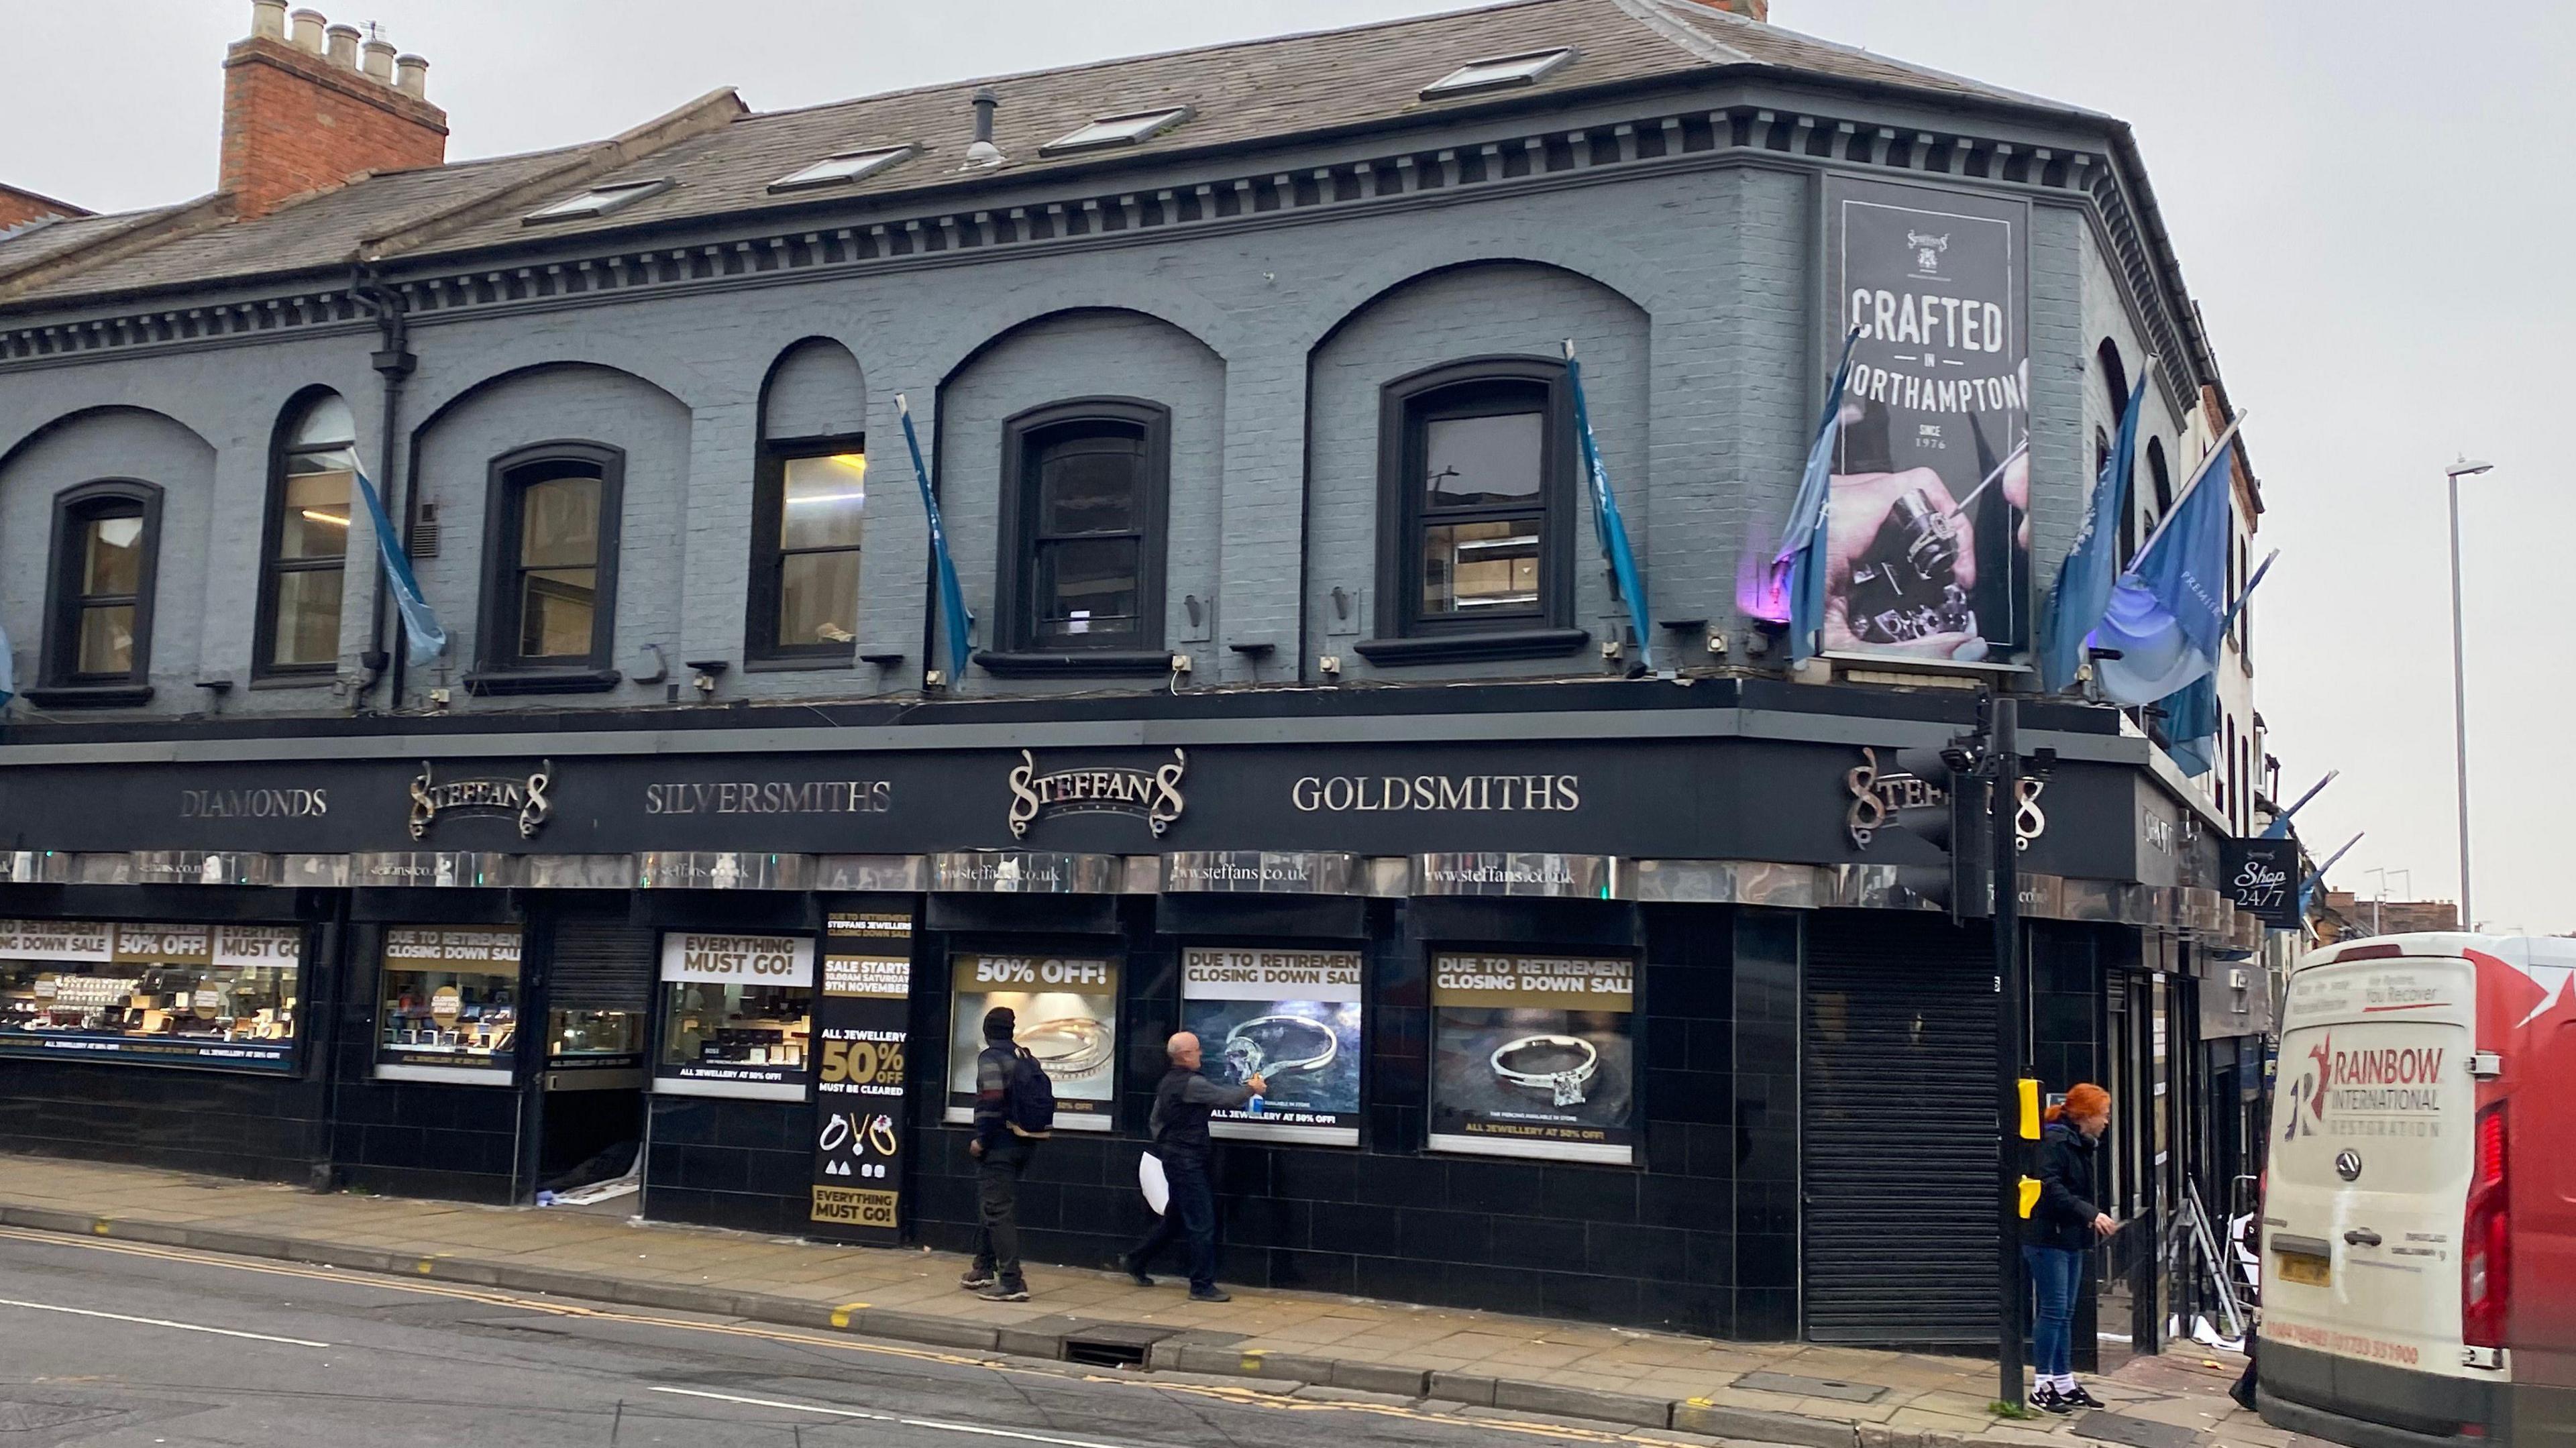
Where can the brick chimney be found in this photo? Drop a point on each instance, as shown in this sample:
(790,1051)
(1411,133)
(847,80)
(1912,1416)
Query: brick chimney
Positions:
(1749,9)
(304,113)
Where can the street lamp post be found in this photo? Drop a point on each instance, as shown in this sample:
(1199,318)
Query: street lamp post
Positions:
(2460,681)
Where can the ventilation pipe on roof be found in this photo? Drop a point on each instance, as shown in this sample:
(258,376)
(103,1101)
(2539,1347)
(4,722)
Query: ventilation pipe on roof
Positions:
(984,155)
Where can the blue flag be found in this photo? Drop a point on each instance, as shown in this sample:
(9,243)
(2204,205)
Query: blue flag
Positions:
(2083,591)
(2191,713)
(8,671)
(1802,543)
(421,629)
(952,599)
(2167,611)
(1606,524)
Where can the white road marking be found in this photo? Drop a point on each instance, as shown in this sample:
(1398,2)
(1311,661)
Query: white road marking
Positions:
(160,1322)
(935,1424)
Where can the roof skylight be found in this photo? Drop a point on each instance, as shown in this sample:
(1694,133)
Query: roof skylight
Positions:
(598,200)
(846,167)
(1499,72)
(1127,130)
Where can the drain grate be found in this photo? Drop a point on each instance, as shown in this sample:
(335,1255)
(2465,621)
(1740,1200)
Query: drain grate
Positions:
(1094,1353)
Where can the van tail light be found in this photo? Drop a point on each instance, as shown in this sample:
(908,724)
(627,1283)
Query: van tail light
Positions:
(2486,1260)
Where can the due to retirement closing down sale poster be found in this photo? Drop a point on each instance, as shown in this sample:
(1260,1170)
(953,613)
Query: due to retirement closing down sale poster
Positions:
(1533,1055)
(1291,1017)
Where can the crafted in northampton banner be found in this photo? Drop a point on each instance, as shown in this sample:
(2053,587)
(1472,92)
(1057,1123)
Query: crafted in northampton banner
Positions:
(1928,543)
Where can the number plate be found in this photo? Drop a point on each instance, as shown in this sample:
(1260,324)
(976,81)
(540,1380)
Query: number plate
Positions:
(2301,1268)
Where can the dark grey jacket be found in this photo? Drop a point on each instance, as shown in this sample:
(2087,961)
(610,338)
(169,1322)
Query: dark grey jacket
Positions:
(1182,1104)
(2068,1188)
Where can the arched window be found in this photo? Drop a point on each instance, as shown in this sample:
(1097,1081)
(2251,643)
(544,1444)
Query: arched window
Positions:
(304,559)
(98,640)
(2115,377)
(808,510)
(550,586)
(1083,500)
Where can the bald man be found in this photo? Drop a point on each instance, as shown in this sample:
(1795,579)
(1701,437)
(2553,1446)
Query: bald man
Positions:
(1182,1104)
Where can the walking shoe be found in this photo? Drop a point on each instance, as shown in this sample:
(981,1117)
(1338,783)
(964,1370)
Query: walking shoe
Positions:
(2048,1400)
(976,1279)
(2080,1398)
(1005,1292)
(1211,1294)
(1135,1271)
(2243,1393)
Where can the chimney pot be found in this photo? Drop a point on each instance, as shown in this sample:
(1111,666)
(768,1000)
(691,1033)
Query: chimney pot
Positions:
(380,61)
(297,121)
(308,30)
(344,46)
(411,76)
(268,19)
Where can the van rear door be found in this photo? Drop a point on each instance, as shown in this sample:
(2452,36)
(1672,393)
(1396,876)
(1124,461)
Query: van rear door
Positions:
(2373,1143)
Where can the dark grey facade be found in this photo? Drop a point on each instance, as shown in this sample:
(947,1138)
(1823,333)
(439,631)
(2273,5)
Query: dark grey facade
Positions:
(1256,288)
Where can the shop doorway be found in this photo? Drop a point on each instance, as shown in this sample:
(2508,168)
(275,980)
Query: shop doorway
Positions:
(590,1096)
(1899,1151)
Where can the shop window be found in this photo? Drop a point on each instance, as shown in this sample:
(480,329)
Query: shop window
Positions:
(98,648)
(1083,503)
(550,593)
(221,996)
(1067,1007)
(1476,484)
(304,559)
(1533,1055)
(1291,1017)
(809,513)
(449,1005)
(737,1015)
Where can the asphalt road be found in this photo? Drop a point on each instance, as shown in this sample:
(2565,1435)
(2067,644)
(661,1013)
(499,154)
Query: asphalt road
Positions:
(114,1344)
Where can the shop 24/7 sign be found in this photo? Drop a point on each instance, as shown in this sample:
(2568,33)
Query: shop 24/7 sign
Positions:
(1151,794)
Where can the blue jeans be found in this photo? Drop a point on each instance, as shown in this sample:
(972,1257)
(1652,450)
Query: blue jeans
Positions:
(1192,1209)
(2056,1274)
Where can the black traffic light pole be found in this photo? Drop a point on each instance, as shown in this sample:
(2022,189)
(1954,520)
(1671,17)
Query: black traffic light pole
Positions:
(2012,1012)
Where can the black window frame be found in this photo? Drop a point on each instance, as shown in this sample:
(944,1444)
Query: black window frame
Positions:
(263,659)
(61,683)
(764,590)
(1469,388)
(501,669)
(1021,651)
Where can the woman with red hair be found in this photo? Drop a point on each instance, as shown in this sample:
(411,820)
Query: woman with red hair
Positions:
(2059,1236)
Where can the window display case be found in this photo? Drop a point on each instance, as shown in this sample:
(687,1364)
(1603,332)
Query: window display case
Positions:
(737,1015)
(449,1005)
(220,996)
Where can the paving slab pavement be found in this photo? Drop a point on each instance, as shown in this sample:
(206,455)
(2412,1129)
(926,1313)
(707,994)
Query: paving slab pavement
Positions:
(1489,1360)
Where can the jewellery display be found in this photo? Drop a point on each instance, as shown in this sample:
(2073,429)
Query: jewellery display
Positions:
(1248,1058)
(1070,1047)
(162,992)
(1565,1085)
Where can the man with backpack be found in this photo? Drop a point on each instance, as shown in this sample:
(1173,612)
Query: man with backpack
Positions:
(1014,1111)
(1182,1105)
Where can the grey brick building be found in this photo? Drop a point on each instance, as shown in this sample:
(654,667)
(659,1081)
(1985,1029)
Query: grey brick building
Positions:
(1249,688)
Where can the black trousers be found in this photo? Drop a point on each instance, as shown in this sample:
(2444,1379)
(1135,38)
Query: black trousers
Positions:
(1192,1209)
(997,1196)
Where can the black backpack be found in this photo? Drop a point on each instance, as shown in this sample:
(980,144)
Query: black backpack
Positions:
(1028,1102)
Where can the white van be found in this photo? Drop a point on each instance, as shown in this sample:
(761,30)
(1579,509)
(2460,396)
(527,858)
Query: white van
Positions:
(2419,1211)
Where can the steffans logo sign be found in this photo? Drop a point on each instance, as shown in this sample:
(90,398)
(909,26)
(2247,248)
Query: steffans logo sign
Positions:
(433,799)
(1153,795)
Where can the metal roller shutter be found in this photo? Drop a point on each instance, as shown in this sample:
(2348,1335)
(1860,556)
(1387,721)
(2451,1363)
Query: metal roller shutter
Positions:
(601,966)
(1899,1149)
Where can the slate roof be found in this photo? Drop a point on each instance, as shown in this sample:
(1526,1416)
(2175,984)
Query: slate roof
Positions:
(1250,91)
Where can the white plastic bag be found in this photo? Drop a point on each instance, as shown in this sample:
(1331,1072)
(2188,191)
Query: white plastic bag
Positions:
(1157,1188)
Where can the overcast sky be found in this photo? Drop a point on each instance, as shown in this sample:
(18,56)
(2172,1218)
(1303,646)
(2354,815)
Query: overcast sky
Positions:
(2371,201)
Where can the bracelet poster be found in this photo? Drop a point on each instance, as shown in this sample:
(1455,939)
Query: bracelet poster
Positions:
(862,1005)
(1067,1008)
(1291,1017)
(1533,1055)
